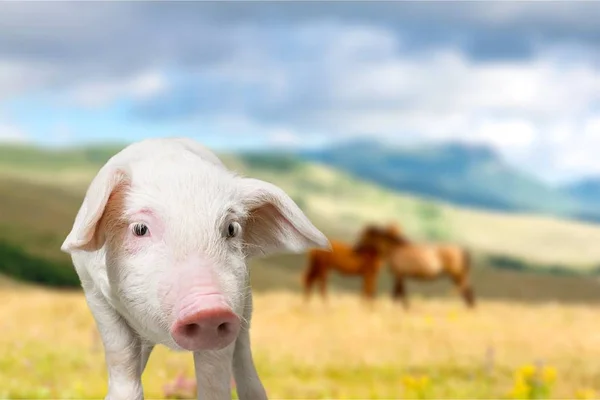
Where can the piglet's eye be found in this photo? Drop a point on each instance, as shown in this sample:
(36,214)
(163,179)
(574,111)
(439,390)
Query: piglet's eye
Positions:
(140,230)
(233,229)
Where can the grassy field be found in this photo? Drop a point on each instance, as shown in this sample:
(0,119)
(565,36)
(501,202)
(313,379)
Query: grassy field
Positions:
(339,350)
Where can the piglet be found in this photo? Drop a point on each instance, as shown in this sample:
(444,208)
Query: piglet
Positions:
(160,245)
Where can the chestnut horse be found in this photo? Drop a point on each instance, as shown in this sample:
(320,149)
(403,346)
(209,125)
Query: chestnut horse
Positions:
(343,259)
(420,261)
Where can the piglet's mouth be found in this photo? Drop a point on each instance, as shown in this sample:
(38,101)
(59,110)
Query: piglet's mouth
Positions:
(205,322)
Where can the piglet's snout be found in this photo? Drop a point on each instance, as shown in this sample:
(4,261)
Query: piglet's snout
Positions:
(205,323)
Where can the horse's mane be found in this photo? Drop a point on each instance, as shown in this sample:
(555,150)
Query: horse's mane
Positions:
(400,240)
(394,234)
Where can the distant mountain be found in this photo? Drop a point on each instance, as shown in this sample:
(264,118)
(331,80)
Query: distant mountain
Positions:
(470,175)
(586,190)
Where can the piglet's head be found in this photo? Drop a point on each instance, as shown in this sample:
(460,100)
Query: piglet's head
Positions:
(175,234)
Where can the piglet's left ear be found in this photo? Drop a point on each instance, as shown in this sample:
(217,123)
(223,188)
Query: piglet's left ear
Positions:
(275,223)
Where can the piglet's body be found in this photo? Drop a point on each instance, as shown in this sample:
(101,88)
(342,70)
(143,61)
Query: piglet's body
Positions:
(160,244)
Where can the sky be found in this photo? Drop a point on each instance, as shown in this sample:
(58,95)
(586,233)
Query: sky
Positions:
(523,77)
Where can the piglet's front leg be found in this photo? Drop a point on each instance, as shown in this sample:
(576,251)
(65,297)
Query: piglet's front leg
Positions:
(249,386)
(124,353)
(213,373)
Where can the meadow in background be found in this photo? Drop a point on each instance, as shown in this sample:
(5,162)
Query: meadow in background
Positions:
(472,123)
(338,349)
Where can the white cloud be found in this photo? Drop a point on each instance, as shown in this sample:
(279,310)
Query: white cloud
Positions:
(580,154)
(244,126)
(592,128)
(519,107)
(101,93)
(447,84)
(234,124)
(16,78)
(284,138)
(62,134)
(12,134)
(371,87)
(345,80)
(508,134)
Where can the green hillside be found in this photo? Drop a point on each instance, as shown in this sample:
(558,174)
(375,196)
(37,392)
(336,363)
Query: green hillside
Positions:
(29,157)
(38,202)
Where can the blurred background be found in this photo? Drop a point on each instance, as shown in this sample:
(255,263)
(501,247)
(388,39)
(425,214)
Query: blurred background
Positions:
(470,123)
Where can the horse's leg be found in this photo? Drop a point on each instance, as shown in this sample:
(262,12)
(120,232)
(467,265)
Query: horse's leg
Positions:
(399,292)
(310,276)
(308,283)
(468,295)
(465,289)
(369,286)
(323,283)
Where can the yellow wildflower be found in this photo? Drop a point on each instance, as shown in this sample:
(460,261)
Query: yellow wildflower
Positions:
(549,375)
(416,383)
(409,382)
(424,381)
(520,390)
(526,372)
(586,394)
(452,315)
(521,380)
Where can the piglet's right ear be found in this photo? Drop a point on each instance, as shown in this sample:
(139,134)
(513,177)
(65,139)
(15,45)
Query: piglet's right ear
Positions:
(275,222)
(93,207)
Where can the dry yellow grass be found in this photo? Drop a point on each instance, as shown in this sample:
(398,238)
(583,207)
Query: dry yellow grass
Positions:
(339,350)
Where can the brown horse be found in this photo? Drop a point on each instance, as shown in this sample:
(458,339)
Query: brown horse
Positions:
(343,259)
(420,261)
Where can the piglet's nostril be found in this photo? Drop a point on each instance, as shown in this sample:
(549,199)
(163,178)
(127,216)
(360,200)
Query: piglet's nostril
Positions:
(224,328)
(191,329)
